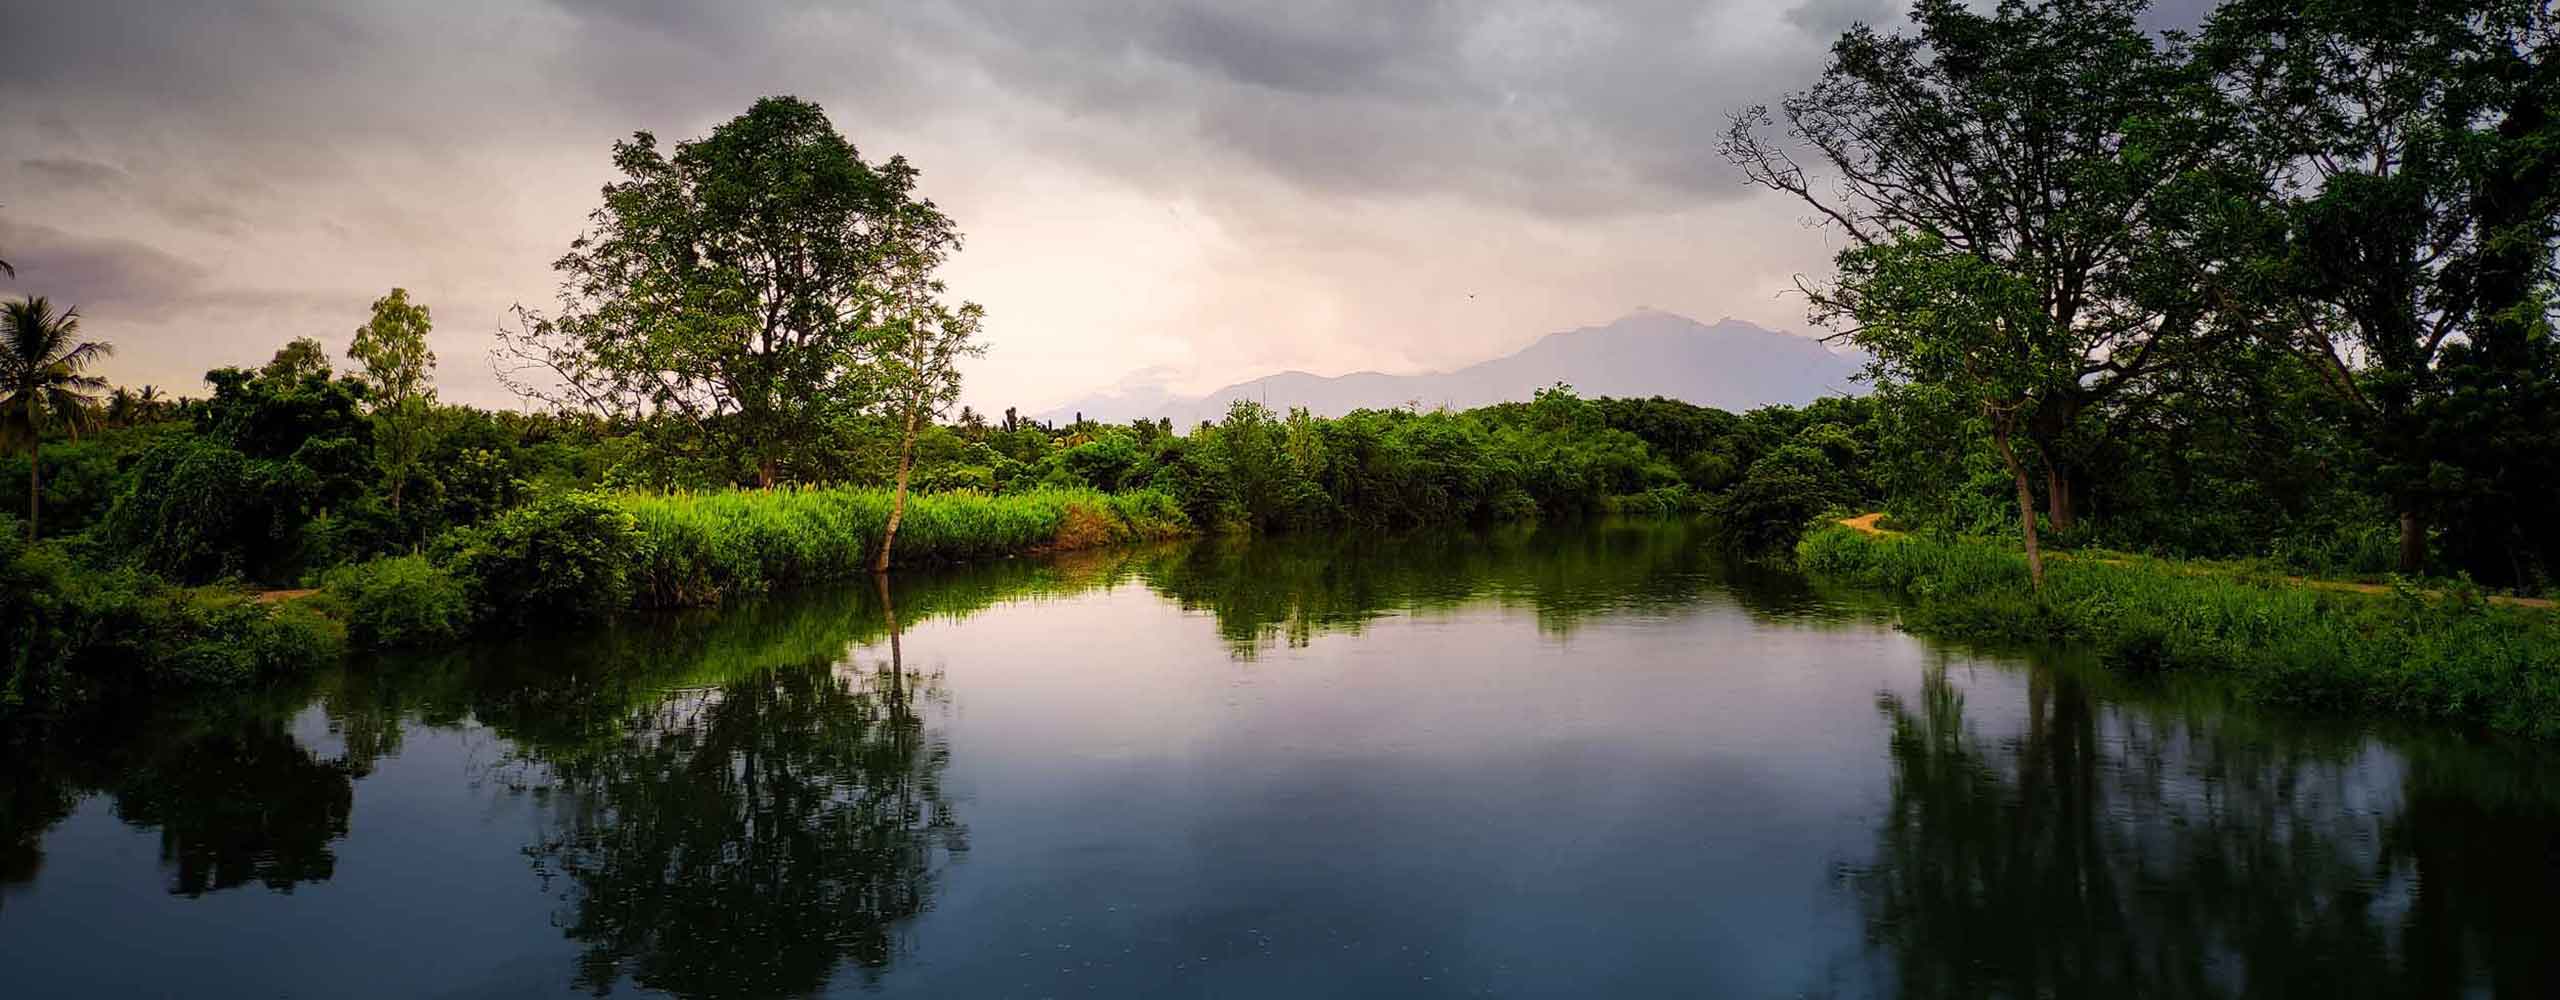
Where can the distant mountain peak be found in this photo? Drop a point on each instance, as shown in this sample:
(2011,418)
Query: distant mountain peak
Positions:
(1731,364)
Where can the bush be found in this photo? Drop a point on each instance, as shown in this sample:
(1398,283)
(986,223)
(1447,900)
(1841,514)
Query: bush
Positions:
(401,601)
(71,634)
(563,558)
(195,511)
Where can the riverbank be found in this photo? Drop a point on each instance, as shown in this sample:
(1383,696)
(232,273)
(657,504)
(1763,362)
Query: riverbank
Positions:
(88,635)
(2453,657)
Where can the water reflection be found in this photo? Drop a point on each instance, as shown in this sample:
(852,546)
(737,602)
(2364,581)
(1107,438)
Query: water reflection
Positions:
(759,800)
(2131,850)
(731,804)
(235,798)
(752,838)
(1260,594)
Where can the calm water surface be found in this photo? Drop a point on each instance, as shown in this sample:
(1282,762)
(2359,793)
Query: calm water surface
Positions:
(1573,761)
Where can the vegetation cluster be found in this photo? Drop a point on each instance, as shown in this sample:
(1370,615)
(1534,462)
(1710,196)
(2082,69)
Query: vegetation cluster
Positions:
(2450,656)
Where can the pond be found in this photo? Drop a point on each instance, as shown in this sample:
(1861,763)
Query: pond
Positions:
(1566,761)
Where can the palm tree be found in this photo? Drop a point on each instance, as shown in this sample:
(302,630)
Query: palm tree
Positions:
(122,409)
(40,370)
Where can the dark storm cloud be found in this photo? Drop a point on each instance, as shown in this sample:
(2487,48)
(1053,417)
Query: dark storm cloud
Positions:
(1561,107)
(121,279)
(99,274)
(1216,185)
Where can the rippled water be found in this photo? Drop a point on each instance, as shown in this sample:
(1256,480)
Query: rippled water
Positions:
(1572,761)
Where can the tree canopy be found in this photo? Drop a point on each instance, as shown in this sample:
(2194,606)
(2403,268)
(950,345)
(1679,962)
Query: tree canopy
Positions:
(735,290)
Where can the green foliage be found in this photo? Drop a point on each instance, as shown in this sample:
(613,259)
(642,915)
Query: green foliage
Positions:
(1785,491)
(197,511)
(745,293)
(700,548)
(399,601)
(561,559)
(1109,463)
(2453,657)
(43,387)
(71,634)
(398,376)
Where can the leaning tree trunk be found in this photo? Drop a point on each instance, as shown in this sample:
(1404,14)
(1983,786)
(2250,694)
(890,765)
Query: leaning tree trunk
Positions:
(2026,501)
(897,660)
(898,500)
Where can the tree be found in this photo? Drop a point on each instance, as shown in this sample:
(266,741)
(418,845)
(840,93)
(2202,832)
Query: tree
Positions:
(40,369)
(734,290)
(1933,316)
(398,377)
(923,370)
(2420,198)
(300,358)
(2057,143)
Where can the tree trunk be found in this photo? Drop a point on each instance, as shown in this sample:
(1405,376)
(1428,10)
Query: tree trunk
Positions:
(2413,541)
(2058,492)
(897,660)
(35,477)
(2026,502)
(396,483)
(768,470)
(898,501)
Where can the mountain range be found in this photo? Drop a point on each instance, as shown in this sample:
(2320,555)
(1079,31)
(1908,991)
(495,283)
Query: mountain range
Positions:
(1730,365)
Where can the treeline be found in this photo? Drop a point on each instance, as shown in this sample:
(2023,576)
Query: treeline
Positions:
(1766,471)
(2281,285)
(161,519)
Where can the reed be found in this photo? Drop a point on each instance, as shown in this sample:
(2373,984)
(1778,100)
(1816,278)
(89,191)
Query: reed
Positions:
(2449,655)
(698,548)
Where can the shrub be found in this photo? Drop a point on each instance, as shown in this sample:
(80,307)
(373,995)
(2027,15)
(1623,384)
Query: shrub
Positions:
(70,634)
(560,559)
(195,511)
(401,601)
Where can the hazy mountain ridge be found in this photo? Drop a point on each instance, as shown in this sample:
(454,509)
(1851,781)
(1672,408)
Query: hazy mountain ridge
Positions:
(1731,365)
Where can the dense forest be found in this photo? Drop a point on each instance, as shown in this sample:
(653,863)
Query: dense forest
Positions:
(2278,289)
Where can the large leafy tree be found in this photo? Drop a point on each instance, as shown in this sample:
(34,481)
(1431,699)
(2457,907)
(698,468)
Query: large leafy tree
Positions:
(735,290)
(399,373)
(2420,194)
(42,369)
(2059,148)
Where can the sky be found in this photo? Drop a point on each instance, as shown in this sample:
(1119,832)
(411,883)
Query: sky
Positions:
(1184,194)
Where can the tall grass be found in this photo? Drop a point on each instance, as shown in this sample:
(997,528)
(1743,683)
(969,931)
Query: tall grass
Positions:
(697,548)
(2451,657)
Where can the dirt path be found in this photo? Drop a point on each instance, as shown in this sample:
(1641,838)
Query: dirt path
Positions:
(1867,523)
(280,596)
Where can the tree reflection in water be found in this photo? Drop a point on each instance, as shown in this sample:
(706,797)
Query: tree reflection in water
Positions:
(2110,851)
(752,837)
(235,798)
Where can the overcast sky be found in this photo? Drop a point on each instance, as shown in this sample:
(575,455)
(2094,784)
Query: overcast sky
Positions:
(1192,193)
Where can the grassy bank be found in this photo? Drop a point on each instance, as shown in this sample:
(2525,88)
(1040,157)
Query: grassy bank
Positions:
(696,548)
(2452,657)
(81,633)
